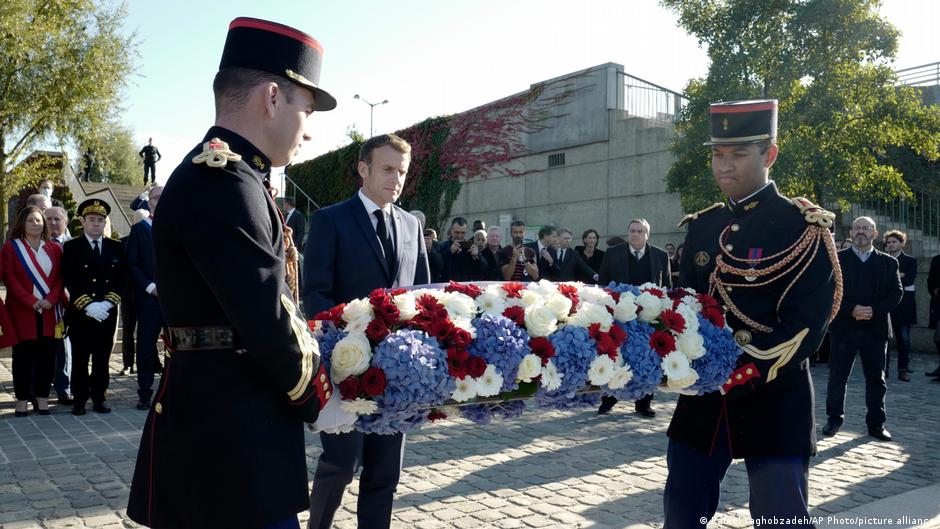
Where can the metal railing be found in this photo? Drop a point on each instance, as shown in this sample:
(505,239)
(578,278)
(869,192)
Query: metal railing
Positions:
(920,212)
(291,186)
(923,75)
(644,99)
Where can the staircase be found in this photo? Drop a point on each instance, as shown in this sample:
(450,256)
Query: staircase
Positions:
(918,217)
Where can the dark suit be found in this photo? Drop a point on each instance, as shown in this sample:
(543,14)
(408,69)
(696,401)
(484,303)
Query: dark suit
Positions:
(573,268)
(933,289)
(128,316)
(295,221)
(346,263)
(88,279)
(876,284)
(140,260)
(618,266)
(546,270)
(905,314)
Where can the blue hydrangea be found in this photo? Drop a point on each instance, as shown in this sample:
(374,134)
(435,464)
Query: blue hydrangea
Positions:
(502,344)
(485,413)
(327,341)
(716,365)
(574,352)
(643,361)
(509,410)
(392,422)
(620,288)
(415,370)
(586,400)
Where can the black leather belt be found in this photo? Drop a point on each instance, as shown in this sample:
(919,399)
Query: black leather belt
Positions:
(202,338)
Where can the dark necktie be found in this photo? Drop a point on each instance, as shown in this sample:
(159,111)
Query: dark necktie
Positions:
(561,256)
(636,253)
(96,249)
(381,229)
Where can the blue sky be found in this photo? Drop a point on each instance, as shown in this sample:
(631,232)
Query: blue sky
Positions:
(426,57)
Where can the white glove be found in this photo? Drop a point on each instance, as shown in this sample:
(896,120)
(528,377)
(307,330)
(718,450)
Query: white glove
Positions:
(106,305)
(333,419)
(144,196)
(95,312)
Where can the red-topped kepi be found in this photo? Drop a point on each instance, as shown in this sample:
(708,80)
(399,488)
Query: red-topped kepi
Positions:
(278,49)
(736,122)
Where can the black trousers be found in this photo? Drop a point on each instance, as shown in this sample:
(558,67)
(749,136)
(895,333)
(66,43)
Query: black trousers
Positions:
(873,350)
(33,364)
(149,323)
(380,457)
(151,169)
(128,329)
(94,340)
(638,405)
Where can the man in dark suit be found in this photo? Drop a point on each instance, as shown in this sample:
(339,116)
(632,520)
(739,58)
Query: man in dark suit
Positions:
(933,288)
(141,263)
(571,267)
(243,372)
(462,259)
(94,267)
(905,314)
(635,263)
(547,256)
(296,221)
(363,243)
(872,289)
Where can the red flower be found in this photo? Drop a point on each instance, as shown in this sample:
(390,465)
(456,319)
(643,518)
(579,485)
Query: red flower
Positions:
(618,334)
(656,292)
(542,348)
(335,314)
(570,292)
(427,303)
(707,301)
(469,289)
(442,330)
(679,293)
(662,342)
(350,388)
(436,415)
(376,331)
(461,338)
(672,321)
(715,315)
(476,366)
(607,346)
(377,296)
(614,295)
(388,312)
(312,325)
(457,360)
(373,381)
(516,314)
(399,291)
(513,290)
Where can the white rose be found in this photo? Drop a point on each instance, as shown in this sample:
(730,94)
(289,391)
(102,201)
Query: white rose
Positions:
(592,294)
(690,315)
(621,377)
(691,344)
(351,356)
(529,368)
(560,305)
(601,371)
(530,298)
(679,384)
(652,306)
(466,389)
(551,378)
(407,306)
(625,310)
(490,382)
(591,313)
(692,302)
(491,303)
(543,288)
(676,366)
(540,321)
(358,310)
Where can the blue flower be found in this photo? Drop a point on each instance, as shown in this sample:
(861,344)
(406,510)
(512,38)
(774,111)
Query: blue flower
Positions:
(415,372)
(327,341)
(485,413)
(620,288)
(716,365)
(586,400)
(643,361)
(574,352)
(502,344)
(392,422)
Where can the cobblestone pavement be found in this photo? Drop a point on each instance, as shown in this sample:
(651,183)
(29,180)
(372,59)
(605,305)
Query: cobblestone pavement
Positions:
(548,469)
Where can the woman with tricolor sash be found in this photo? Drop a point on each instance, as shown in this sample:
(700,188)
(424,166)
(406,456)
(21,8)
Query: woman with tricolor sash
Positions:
(32,274)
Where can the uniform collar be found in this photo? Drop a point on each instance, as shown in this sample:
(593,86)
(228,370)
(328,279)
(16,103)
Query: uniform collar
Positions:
(250,154)
(746,205)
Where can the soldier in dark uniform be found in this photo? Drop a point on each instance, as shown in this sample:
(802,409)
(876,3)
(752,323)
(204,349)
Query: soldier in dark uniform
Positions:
(151,155)
(94,270)
(771,262)
(223,445)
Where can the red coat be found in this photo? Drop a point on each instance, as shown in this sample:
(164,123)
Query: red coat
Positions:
(20,298)
(7,333)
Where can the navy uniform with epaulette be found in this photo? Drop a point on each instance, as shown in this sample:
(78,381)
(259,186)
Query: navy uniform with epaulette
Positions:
(768,259)
(223,445)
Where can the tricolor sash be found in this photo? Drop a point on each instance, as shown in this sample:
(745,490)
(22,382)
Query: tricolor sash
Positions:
(39,278)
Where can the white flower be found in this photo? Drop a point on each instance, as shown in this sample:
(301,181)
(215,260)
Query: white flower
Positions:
(559,304)
(529,368)
(601,371)
(679,384)
(540,321)
(407,305)
(465,324)
(491,302)
(591,313)
(621,377)
(692,302)
(543,288)
(358,311)
(530,298)
(651,304)
(466,389)
(359,406)
(691,344)
(351,356)
(490,382)
(357,326)
(676,366)
(459,305)
(496,290)
(551,378)
(690,315)
(592,294)
(625,309)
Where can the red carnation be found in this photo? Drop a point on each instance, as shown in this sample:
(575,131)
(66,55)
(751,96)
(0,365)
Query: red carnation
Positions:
(335,314)
(376,331)
(399,291)
(672,321)
(618,334)
(656,292)
(679,293)
(606,345)
(662,342)
(468,289)
(570,292)
(373,381)
(476,366)
(542,348)
(707,301)
(516,314)
(442,330)
(349,388)
(436,415)
(377,296)
(715,315)
(461,338)
(388,312)
(513,290)
(427,303)
(614,295)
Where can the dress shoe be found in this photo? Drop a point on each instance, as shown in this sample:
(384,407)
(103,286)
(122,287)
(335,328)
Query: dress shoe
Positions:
(831,429)
(123,371)
(101,407)
(65,399)
(879,433)
(42,406)
(904,377)
(646,412)
(78,409)
(936,379)
(934,373)
(143,404)
(607,404)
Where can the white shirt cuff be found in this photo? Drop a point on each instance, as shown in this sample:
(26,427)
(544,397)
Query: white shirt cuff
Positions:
(151,287)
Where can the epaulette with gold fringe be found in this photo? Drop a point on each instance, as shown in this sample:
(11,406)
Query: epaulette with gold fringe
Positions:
(216,153)
(692,216)
(813,213)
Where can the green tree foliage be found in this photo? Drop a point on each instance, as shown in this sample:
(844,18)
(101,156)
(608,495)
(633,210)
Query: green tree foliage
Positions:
(117,159)
(841,109)
(62,66)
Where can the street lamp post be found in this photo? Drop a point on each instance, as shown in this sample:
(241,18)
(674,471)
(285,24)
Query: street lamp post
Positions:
(371,109)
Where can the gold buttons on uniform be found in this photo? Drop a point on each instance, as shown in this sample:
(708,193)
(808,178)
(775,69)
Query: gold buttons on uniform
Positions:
(322,377)
(158,408)
(326,386)
(742,338)
(739,376)
(728,289)
(93,280)
(749,371)
(729,247)
(735,227)
(327,394)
